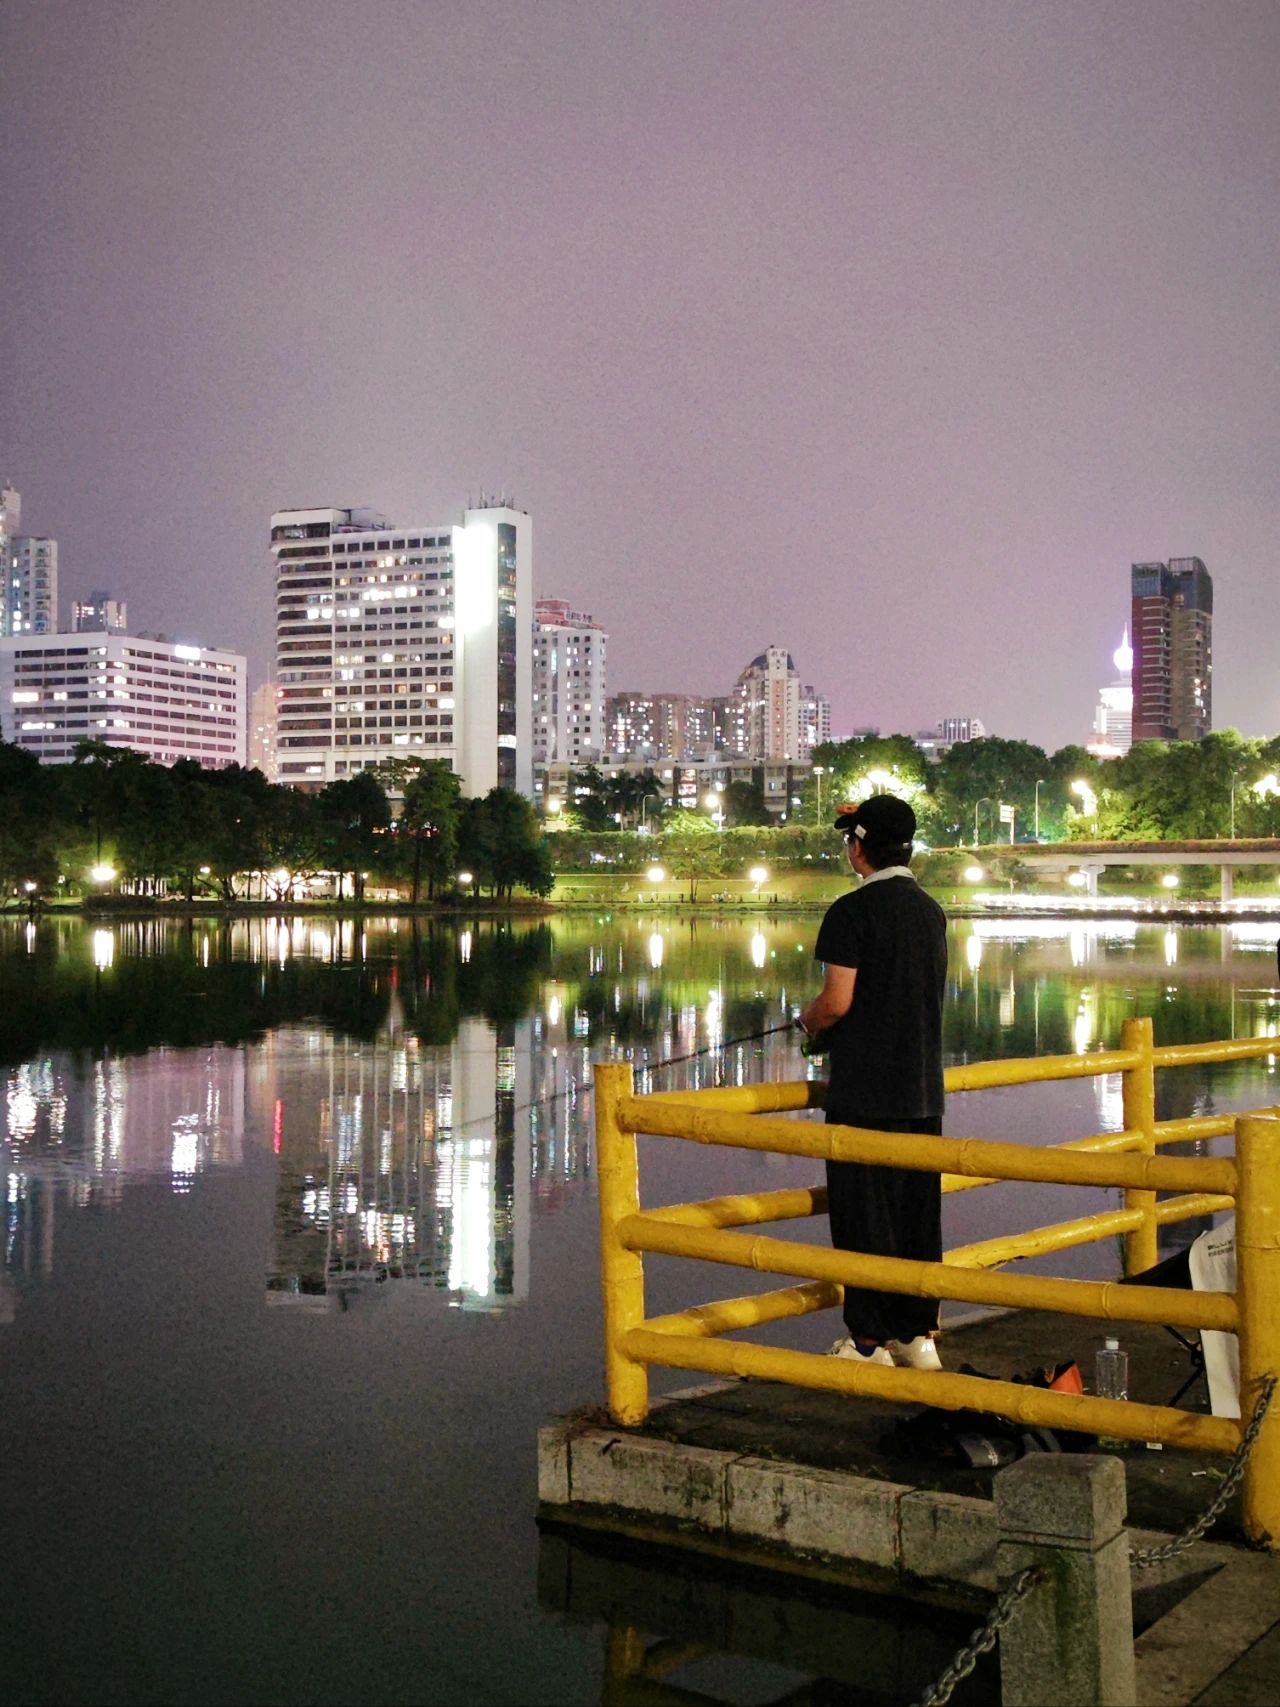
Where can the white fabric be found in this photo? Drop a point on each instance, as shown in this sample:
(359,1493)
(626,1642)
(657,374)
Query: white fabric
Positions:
(889,871)
(1213,1269)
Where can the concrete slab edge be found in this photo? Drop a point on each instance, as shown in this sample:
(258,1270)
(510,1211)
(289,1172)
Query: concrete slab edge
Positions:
(912,1534)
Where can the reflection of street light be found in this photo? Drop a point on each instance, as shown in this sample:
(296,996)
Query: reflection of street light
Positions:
(656,947)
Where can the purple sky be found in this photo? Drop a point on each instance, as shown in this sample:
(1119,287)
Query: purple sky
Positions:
(891,333)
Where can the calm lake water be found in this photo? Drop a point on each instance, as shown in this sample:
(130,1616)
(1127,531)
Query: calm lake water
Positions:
(300,1249)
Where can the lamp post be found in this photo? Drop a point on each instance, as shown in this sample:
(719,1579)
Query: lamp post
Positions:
(1234,777)
(1039,786)
(985,801)
(715,805)
(819,771)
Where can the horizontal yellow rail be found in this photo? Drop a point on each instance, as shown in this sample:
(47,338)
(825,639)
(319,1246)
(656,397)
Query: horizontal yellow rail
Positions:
(790,1094)
(1087,1230)
(1107,1300)
(793,1203)
(1034,1406)
(724,1315)
(1031,1069)
(929,1155)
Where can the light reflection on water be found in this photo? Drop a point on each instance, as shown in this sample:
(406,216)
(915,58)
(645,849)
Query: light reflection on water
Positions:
(392,1126)
(447,1094)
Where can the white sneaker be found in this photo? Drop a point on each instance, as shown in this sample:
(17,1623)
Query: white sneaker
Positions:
(846,1348)
(919,1353)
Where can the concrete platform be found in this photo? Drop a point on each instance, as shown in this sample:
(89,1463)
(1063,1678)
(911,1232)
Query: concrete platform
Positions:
(788,1480)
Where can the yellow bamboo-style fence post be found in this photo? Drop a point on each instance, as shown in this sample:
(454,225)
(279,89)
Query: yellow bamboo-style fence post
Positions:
(1258,1292)
(621,1270)
(1141,1246)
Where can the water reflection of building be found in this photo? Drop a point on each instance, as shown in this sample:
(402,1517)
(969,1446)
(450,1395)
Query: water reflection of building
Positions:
(403,1161)
(74,1136)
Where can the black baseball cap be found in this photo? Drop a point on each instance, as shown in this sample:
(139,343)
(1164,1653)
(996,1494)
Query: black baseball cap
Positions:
(882,818)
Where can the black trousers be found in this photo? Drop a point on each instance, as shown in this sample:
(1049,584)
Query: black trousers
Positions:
(887,1212)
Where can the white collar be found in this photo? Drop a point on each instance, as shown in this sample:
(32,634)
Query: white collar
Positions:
(889,871)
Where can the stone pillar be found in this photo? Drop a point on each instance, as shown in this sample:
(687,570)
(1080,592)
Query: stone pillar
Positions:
(1228,881)
(1070,1642)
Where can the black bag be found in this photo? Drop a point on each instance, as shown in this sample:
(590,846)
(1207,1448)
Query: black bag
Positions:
(980,1440)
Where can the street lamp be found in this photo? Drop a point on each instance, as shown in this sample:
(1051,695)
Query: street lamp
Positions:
(102,873)
(978,805)
(715,805)
(758,875)
(1039,785)
(819,771)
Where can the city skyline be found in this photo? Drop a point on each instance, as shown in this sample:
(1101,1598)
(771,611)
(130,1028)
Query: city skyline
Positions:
(898,334)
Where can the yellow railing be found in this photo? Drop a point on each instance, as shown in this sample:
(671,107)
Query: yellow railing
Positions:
(747,1117)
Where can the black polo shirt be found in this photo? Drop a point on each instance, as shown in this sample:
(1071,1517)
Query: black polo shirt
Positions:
(886,1052)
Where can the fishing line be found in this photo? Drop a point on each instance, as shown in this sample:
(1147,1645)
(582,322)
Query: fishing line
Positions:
(647,1067)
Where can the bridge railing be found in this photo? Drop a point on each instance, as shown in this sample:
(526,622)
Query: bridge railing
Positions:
(754,1118)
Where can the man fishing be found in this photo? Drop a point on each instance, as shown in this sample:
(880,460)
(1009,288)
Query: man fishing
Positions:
(883,948)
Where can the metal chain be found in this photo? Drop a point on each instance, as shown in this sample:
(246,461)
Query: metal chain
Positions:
(984,1638)
(1143,1557)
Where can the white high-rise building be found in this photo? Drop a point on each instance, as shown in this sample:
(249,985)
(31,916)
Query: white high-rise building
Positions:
(162,699)
(399,640)
(30,595)
(764,708)
(264,732)
(568,684)
(815,720)
(1113,717)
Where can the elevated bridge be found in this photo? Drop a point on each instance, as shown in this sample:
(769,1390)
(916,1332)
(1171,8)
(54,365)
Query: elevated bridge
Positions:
(1093,858)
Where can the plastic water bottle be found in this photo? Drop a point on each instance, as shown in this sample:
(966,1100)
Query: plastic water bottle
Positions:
(1111,1381)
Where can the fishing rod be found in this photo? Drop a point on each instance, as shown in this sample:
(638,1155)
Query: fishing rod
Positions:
(718,1048)
(645,1067)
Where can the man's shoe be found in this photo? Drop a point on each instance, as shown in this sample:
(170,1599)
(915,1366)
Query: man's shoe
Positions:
(846,1348)
(919,1353)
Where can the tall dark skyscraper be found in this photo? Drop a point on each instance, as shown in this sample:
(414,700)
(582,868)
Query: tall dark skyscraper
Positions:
(1172,650)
